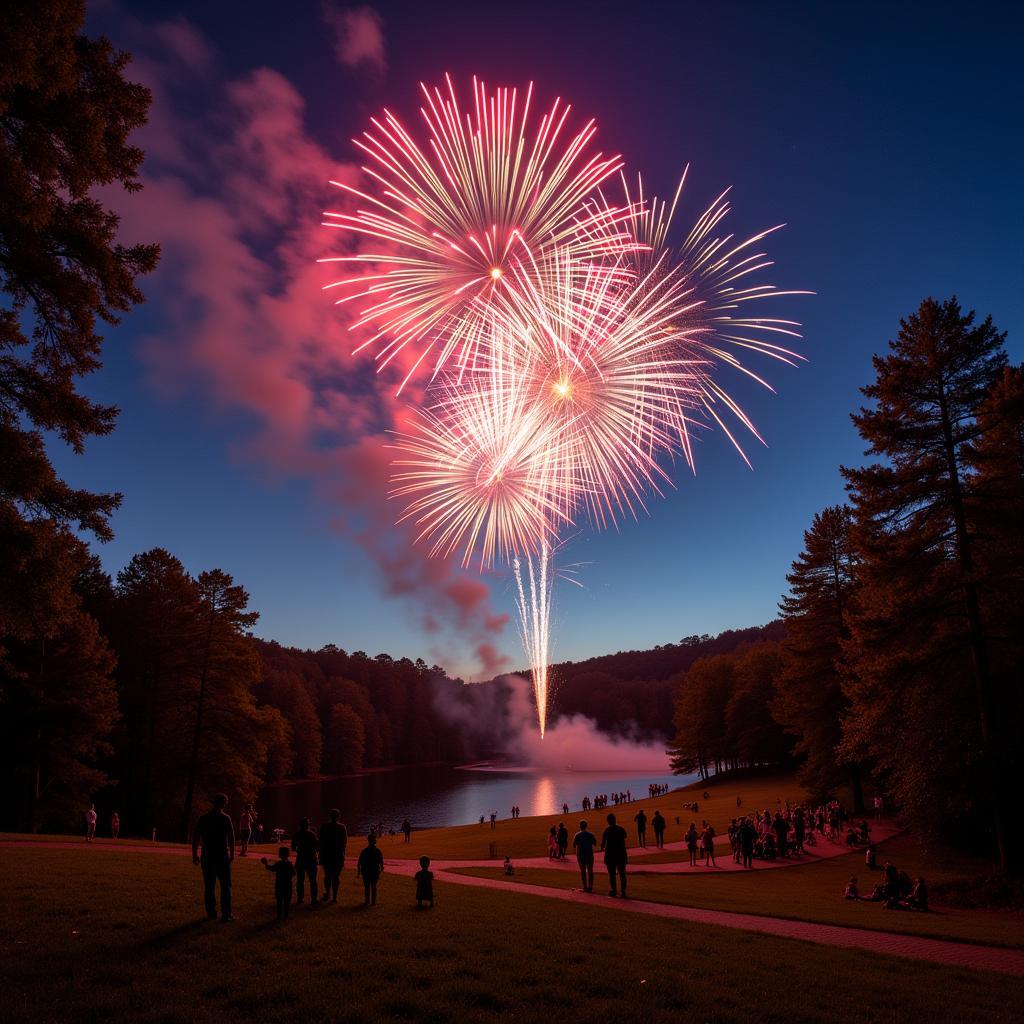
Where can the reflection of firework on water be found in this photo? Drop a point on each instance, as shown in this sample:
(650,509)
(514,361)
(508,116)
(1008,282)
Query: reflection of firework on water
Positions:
(574,352)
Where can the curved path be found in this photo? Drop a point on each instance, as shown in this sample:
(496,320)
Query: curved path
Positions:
(952,954)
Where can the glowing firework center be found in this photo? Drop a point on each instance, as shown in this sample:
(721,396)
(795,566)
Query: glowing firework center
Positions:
(569,354)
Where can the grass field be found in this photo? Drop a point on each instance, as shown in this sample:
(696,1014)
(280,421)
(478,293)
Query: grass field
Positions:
(810,892)
(527,837)
(95,934)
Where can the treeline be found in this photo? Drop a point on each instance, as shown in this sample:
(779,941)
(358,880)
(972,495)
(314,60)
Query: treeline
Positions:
(903,648)
(634,691)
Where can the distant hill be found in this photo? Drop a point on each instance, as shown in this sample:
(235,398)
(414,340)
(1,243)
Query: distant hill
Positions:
(634,690)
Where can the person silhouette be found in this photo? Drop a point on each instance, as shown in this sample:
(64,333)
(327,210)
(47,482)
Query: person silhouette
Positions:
(613,846)
(284,872)
(424,883)
(369,868)
(333,841)
(563,840)
(216,834)
(583,843)
(305,844)
(658,824)
(407,830)
(641,826)
(90,823)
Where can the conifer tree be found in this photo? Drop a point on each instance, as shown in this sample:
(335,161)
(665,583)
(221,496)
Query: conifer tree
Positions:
(924,696)
(809,697)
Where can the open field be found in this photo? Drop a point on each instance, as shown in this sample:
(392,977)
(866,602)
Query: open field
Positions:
(94,934)
(809,892)
(527,837)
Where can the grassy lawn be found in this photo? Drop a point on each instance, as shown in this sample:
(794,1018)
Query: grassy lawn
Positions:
(811,893)
(527,837)
(98,935)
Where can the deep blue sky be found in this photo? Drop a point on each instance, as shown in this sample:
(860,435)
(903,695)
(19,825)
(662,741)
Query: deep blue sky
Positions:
(887,137)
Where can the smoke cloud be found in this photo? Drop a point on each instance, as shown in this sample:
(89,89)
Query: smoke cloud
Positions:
(502,715)
(234,187)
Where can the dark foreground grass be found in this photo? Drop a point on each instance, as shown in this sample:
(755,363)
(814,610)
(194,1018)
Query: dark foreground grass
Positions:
(99,935)
(808,892)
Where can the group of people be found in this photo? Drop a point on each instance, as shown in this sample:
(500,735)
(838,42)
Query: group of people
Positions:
(601,801)
(613,845)
(895,891)
(657,789)
(91,820)
(297,866)
(658,825)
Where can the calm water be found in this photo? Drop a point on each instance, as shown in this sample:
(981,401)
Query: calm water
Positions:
(445,796)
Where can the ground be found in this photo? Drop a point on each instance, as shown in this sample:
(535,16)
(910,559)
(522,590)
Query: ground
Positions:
(92,934)
(104,932)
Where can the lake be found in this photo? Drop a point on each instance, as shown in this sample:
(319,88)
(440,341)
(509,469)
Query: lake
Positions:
(434,796)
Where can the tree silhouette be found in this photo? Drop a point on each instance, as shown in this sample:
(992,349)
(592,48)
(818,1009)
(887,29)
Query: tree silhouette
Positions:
(810,702)
(918,629)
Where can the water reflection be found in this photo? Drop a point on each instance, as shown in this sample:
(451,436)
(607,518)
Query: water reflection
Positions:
(444,796)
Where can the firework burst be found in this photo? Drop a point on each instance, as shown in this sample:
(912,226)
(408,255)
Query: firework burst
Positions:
(573,351)
(443,221)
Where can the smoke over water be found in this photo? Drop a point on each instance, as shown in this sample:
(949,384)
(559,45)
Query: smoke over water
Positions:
(502,715)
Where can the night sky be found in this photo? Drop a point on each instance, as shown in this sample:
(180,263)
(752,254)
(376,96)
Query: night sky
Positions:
(887,137)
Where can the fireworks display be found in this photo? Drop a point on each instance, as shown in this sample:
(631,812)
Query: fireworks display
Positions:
(571,355)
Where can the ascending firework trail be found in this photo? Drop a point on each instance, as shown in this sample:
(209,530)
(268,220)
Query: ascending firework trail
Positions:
(570,354)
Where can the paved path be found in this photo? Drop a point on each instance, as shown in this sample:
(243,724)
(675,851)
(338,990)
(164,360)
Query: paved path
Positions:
(953,954)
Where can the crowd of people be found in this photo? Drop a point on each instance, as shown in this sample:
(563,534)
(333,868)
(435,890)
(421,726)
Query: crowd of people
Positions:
(312,862)
(313,859)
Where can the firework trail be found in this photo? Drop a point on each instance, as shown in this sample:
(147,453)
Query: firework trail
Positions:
(533,604)
(574,354)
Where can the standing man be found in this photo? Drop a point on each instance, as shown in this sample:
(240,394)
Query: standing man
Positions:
(563,840)
(747,836)
(115,825)
(406,830)
(217,836)
(90,823)
(333,841)
(305,845)
(641,826)
(658,823)
(613,846)
(369,868)
(583,843)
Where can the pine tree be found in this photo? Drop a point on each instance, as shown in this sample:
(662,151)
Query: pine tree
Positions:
(922,688)
(809,697)
(227,667)
(58,703)
(66,112)
(152,629)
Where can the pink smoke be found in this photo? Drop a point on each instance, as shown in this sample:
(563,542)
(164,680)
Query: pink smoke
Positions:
(235,203)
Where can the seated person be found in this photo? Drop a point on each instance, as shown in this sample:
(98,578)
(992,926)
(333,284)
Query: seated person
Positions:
(852,839)
(851,892)
(877,895)
(918,898)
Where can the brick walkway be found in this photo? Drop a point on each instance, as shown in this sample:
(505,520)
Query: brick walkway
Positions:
(952,954)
